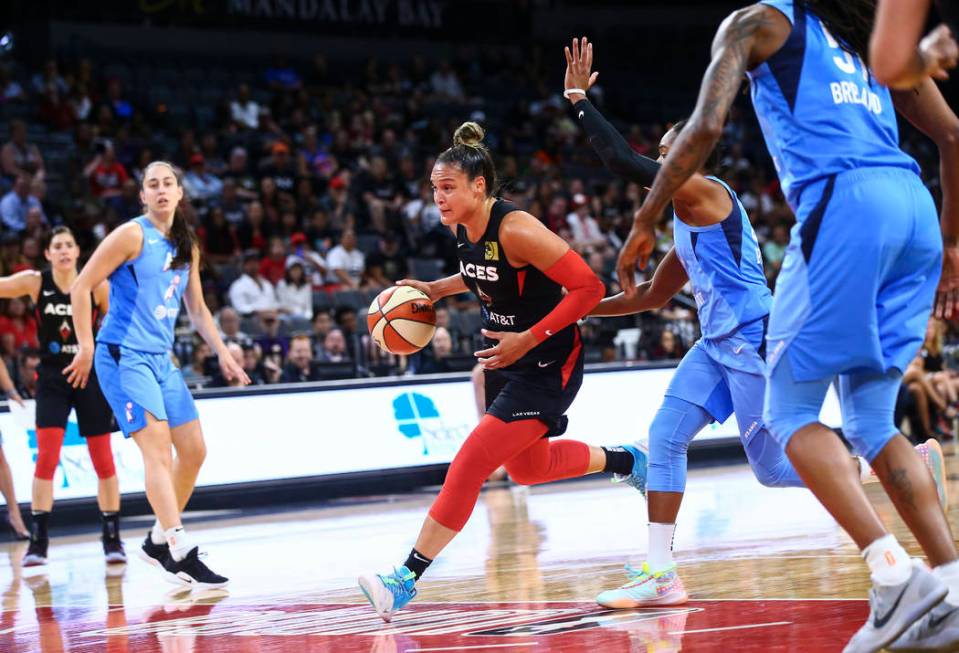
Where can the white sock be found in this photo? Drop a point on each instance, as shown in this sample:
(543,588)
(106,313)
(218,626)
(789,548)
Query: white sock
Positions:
(157,535)
(660,554)
(949,574)
(888,562)
(866,475)
(179,542)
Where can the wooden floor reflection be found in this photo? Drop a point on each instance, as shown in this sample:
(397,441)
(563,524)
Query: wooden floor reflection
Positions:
(768,570)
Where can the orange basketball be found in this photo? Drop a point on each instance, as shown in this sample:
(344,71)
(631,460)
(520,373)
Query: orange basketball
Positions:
(401,320)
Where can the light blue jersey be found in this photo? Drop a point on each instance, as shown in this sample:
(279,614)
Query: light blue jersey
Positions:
(145,296)
(725,270)
(821,110)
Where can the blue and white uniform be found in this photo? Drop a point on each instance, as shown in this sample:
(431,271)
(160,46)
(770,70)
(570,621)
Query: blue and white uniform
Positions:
(132,357)
(859,275)
(723,372)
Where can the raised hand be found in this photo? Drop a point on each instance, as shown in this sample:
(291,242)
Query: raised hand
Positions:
(579,64)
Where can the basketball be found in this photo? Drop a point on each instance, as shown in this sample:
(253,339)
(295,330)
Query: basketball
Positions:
(401,320)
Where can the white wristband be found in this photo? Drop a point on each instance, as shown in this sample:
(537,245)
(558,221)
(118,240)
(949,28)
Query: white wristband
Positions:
(570,91)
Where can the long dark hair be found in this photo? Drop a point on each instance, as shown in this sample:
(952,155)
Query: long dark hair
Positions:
(470,155)
(849,21)
(181,236)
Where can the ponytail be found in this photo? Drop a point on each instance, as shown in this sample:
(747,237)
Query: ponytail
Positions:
(183,238)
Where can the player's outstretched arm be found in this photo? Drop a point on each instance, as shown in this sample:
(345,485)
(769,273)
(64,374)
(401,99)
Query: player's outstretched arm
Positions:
(203,322)
(925,108)
(897,57)
(612,149)
(745,39)
(668,280)
(22,283)
(437,290)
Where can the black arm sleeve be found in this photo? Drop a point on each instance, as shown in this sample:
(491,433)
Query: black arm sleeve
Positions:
(618,157)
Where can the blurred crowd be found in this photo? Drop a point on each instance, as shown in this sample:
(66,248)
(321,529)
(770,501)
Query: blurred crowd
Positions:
(308,184)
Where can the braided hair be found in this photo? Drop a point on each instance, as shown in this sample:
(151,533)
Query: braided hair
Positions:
(849,21)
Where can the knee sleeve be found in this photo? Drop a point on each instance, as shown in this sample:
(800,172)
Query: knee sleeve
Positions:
(491,444)
(49,441)
(676,423)
(549,460)
(101,453)
(769,461)
(790,405)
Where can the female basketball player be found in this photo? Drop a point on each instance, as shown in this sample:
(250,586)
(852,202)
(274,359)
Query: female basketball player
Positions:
(898,57)
(14,518)
(857,283)
(716,251)
(55,397)
(152,261)
(533,366)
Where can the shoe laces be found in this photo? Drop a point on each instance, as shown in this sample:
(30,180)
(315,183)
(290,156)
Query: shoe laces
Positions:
(397,584)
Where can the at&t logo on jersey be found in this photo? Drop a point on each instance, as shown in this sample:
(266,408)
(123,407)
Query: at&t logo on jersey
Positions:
(481,272)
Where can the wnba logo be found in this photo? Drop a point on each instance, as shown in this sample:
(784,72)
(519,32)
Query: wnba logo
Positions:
(129,411)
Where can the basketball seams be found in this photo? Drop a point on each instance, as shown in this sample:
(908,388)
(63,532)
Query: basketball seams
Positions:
(397,306)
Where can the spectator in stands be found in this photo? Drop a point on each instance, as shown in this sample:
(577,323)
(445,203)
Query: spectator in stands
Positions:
(233,208)
(106,174)
(381,195)
(294,293)
(20,157)
(319,233)
(445,83)
(597,263)
(387,265)
(338,204)
(435,358)
(28,363)
(347,264)
(422,215)
(15,205)
(282,77)
(253,232)
(50,75)
(321,325)
(251,293)
(195,370)
(273,265)
(334,348)
(280,167)
(585,231)
(55,111)
(122,108)
(314,265)
(774,250)
(128,204)
(253,363)
(18,322)
(244,110)
(299,366)
(229,322)
(10,89)
(668,347)
(200,184)
(80,102)
(31,258)
(218,238)
(269,338)
(238,170)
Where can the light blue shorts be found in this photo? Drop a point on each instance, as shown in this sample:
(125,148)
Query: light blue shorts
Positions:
(136,383)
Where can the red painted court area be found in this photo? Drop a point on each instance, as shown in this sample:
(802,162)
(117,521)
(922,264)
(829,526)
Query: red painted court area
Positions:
(223,626)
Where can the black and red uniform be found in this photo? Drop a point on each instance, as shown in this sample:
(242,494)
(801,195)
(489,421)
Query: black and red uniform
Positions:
(543,383)
(58,345)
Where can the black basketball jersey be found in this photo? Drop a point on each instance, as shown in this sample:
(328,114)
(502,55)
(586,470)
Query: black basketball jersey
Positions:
(511,299)
(58,340)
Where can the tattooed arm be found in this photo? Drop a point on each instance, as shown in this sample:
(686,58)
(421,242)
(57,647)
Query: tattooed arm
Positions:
(745,39)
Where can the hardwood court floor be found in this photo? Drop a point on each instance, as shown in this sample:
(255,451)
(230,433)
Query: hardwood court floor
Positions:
(768,570)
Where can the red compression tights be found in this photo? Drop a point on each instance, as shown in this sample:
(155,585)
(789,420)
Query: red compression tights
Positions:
(520,447)
(49,442)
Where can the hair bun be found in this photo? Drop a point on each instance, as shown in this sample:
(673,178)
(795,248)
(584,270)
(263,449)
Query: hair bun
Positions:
(469,133)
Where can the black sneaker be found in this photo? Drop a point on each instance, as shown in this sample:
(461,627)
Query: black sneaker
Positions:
(113,550)
(191,571)
(151,553)
(36,553)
